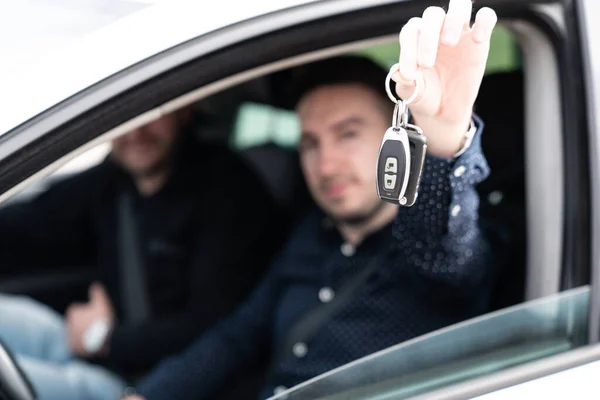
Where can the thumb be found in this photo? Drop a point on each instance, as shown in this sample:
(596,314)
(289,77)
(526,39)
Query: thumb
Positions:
(97,293)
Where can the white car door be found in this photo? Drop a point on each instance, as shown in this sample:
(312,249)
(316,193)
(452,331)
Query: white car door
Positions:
(561,135)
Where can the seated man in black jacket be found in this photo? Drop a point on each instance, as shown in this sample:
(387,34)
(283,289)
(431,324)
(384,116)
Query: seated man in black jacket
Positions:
(201,252)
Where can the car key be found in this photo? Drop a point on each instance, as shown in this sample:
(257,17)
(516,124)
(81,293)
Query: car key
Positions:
(401,154)
(393,165)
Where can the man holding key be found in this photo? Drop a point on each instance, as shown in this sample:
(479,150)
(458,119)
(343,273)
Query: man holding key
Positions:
(427,266)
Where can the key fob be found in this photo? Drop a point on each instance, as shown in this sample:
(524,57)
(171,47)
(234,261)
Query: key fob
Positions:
(418,149)
(393,166)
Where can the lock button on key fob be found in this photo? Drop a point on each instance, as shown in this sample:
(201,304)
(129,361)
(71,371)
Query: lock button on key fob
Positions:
(391,165)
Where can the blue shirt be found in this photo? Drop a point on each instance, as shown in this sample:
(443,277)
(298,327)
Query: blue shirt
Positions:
(435,268)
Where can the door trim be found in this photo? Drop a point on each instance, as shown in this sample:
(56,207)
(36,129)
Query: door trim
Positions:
(517,375)
(591,56)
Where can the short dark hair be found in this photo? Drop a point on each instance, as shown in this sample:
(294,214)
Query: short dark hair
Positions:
(346,69)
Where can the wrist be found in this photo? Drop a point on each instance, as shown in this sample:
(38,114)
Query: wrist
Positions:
(445,139)
(468,138)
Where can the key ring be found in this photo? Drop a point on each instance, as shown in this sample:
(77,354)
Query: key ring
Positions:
(400,116)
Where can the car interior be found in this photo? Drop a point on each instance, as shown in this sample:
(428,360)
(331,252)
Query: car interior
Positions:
(253,117)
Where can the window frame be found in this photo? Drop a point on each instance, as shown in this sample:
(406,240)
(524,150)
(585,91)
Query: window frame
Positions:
(172,90)
(557,310)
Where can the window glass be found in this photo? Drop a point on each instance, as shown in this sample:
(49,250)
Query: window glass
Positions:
(487,344)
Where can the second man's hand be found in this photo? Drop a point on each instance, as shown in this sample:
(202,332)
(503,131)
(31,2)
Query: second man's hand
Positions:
(80,316)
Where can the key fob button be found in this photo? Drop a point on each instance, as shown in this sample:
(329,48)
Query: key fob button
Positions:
(389,181)
(391,165)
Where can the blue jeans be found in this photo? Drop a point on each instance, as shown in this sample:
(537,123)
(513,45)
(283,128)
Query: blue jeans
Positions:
(36,335)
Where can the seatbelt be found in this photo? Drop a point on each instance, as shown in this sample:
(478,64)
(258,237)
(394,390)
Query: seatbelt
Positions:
(132,272)
(305,328)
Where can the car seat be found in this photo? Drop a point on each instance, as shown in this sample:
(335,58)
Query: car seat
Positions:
(500,104)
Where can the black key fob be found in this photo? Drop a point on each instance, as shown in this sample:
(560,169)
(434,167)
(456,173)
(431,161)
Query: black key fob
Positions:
(418,149)
(393,166)
(401,154)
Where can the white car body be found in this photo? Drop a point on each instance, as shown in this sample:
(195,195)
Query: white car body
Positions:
(64,74)
(87,60)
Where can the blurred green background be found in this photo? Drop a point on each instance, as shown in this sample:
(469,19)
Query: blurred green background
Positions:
(503,52)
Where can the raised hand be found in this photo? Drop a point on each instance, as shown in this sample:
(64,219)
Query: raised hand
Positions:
(448,57)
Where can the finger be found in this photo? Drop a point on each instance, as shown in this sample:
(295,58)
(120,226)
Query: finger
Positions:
(409,40)
(406,89)
(485,21)
(96,292)
(69,321)
(457,19)
(429,36)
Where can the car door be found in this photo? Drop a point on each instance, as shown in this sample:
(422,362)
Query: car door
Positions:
(46,82)
(561,197)
(561,362)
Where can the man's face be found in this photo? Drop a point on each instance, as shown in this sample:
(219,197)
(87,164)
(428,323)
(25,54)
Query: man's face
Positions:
(342,129)
(148,149)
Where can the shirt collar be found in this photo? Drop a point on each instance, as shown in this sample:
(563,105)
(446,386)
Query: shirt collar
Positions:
(375,241)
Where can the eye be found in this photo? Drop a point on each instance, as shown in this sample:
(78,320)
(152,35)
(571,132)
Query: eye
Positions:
(307,144)
(349,134)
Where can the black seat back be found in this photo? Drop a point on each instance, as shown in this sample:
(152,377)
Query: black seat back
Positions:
(503,203)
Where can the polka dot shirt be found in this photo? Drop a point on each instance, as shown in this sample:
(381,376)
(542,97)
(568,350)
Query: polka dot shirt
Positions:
(435,266)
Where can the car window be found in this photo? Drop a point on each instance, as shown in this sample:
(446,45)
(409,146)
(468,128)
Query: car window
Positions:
(504,52)
(494,342)
(257,124)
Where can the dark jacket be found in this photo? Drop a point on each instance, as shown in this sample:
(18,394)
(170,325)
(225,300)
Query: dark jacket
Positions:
(436,266)
(207,235)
